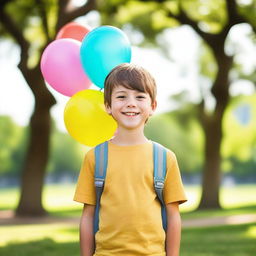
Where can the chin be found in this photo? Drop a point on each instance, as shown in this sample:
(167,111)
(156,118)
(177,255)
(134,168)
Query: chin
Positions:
(131,126)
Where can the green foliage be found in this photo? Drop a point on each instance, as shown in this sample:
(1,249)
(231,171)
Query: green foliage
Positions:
(210,14)
(66,155)
(239,143)
(12,146)
(240,119)
(244,171)
(247,9)
(208,67)
(152,17)
(29,12)
(29,19)
(23,10)
(146,17)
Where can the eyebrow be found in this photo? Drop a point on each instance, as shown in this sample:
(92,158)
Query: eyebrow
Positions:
(126,92)
(120,91)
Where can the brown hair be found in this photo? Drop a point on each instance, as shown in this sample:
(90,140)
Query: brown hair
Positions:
(131,77)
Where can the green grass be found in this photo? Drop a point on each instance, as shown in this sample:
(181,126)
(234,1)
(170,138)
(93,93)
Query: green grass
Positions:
(234,240)
(58,232)
(62,238)
(43,247)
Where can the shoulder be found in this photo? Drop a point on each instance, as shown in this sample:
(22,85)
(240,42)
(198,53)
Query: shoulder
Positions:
(89,156)
(170,155)
(90,152)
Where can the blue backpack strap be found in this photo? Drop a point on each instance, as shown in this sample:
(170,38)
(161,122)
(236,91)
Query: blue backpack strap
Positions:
(160,155)
(101,162)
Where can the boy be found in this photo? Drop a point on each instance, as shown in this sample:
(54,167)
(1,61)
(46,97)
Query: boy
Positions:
(130,222)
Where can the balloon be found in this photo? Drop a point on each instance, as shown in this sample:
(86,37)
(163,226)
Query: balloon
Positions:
(86,119)
(103,49)
(73,30)
(61,67)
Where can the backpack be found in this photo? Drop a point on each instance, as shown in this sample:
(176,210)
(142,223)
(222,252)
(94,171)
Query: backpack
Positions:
(101,162)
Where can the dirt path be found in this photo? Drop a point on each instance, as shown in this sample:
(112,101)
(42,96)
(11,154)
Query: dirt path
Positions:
(220,220)
(8,218)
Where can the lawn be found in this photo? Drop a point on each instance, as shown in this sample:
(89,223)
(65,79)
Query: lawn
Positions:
(234,240)
(62,238)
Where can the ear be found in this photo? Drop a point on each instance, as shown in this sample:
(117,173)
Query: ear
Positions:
(153,107)
(108,109)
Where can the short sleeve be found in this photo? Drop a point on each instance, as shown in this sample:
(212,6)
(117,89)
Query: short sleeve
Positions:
(85,190)
(173,188)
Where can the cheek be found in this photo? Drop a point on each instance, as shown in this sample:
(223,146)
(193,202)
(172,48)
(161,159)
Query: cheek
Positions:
(117,105)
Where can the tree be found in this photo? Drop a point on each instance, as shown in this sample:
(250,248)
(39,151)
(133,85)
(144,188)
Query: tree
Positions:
(32,25)
(212,21)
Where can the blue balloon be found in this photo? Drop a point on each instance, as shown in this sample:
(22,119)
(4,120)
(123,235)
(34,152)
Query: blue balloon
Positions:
(103,49)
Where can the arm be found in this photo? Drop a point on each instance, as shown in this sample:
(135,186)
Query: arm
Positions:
(86,231)
(173,234)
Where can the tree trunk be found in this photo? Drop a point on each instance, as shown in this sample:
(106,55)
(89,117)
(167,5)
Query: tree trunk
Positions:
(212,175)
(30,203)
(212,125)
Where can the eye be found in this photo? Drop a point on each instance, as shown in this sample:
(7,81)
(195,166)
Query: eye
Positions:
(140,97)
(120,97)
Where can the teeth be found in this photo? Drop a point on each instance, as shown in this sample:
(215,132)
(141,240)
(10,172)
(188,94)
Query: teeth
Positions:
(131,114)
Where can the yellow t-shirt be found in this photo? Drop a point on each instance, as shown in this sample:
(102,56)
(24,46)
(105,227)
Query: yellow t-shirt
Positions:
(130,222)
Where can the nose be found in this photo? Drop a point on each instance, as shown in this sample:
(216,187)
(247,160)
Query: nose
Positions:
(131,102)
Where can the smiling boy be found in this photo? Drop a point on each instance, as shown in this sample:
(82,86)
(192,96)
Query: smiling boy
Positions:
(130,221)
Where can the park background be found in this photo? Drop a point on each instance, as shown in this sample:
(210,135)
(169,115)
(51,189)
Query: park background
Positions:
(202,54)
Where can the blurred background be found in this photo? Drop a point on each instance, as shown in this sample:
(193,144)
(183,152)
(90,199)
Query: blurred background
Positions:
(203,57)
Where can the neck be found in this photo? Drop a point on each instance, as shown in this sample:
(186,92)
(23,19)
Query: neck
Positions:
(125,137)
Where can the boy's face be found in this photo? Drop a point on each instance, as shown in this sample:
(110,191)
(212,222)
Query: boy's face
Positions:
(130,108)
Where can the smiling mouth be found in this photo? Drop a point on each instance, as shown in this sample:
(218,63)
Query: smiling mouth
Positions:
(130,113)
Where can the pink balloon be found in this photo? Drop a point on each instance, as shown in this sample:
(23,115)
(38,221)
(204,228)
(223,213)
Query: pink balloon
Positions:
(61,67)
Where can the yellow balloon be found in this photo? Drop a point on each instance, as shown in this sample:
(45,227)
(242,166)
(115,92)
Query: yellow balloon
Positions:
(86,119)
